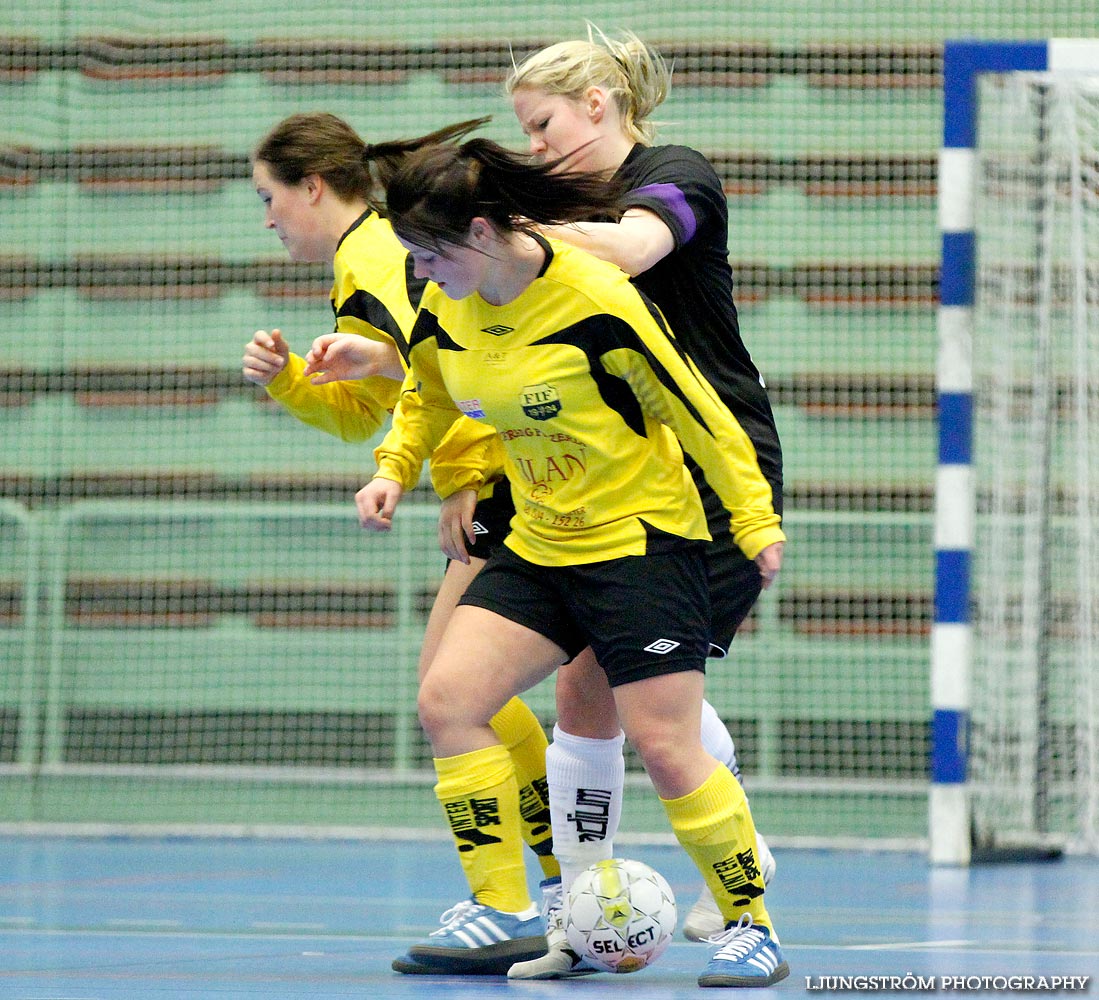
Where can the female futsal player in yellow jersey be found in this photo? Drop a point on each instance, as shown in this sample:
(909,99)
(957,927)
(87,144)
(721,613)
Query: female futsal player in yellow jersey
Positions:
(592,100)
(310,174)
(595,404)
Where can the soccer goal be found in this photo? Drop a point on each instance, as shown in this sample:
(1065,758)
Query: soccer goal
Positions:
(1015,643)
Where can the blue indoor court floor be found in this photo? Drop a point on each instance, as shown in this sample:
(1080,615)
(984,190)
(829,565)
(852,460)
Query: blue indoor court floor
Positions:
(86,918)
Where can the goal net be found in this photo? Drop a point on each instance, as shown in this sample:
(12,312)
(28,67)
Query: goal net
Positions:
(1034,724)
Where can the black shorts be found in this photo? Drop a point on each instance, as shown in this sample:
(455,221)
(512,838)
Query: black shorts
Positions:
(735,586)
(643,616)
(734,580)
(492,521)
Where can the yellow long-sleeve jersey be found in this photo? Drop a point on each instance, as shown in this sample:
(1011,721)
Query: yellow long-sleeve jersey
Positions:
(375,296)
(582,381)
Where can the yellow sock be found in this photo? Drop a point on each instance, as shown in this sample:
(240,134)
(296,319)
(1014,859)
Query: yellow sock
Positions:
(479,795)
(518,728)
(714,825)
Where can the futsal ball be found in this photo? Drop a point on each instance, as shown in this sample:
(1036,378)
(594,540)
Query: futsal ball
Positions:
(621,915)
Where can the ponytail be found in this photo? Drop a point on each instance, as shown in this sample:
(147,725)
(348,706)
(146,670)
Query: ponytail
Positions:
(384,159)
(438,191)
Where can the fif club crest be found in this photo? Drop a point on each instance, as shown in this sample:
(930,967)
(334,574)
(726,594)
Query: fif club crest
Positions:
(540,402)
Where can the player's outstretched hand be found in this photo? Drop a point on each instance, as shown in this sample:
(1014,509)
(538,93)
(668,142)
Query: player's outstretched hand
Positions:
(377,501)
(769,562)
(265,355)
(339,357)
(456,525)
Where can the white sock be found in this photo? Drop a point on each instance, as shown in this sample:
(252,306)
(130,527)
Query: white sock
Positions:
(586,780)
(716,739)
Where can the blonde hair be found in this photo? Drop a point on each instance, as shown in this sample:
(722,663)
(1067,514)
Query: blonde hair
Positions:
(636,77)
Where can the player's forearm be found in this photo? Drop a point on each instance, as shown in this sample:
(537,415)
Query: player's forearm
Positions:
(609,241)
(468,457)
(418,428)
(730,464)
(713,437)
(330,408)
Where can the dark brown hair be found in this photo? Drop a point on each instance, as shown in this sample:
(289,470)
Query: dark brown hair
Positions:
(439,188)
(320,143)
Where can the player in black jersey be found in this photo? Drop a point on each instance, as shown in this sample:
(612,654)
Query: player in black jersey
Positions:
(591,101)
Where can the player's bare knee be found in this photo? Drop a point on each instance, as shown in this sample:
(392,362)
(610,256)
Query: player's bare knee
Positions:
(663,755)
(435,710)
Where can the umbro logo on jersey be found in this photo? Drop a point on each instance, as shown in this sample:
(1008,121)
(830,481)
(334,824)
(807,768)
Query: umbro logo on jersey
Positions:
(497,329)
(479,528)
(661,646)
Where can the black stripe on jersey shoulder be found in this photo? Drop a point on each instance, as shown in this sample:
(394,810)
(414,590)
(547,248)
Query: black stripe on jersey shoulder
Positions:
(354,225)
(362,305)
(427,328)
(599,334)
